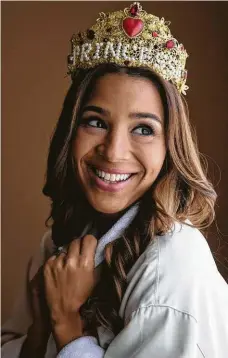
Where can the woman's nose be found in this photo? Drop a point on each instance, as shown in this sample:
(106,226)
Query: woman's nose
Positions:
(116,147)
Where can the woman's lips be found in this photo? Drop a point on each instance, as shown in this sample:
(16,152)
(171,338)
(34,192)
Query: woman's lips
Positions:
(111,171)
(111,187)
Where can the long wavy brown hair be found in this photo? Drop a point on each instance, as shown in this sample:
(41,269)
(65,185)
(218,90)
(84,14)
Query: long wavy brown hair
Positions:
(181,191)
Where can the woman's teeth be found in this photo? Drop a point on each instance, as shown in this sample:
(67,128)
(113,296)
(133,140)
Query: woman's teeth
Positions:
(113,178)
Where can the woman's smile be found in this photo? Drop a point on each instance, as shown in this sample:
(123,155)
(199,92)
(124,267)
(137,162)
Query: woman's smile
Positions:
(119,147)
(108,181)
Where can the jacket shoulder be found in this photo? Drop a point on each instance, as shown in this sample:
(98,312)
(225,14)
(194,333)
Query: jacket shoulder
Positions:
(183,250)
(168,269)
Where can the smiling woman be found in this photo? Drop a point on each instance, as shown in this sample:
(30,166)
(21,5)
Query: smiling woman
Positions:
(114,140)
(132,275)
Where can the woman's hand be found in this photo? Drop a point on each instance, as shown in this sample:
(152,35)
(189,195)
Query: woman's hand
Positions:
(69,280)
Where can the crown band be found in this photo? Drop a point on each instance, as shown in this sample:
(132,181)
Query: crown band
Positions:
(131,38)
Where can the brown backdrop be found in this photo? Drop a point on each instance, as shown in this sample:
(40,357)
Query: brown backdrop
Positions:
(35,44)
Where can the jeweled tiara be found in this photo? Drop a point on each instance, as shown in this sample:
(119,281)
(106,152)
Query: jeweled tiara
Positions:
(132,38)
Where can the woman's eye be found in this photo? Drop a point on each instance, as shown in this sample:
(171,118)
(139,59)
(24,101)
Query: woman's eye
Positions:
(144,130)
(95,122)
(92,122)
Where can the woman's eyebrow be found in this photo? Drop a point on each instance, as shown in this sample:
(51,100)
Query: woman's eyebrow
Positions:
(138,115)
(96,109)
(133,115)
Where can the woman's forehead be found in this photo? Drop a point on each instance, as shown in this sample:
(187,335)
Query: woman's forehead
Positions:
(129,93)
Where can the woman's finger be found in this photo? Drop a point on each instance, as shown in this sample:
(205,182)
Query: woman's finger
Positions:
(73,253)
(89,245)
(50,260)
(60,260)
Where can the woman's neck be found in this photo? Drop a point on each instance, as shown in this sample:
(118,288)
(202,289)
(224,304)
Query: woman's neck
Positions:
(103,222)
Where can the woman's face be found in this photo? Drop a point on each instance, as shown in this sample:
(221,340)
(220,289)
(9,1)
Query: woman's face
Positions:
(119,146)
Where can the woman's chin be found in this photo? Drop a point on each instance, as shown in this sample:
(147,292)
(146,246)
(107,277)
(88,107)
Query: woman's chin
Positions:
(109,207)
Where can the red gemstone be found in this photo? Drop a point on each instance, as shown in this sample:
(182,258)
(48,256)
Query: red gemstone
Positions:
(134,10)
(154,34)
(132,27)
(170,44)
(182,47)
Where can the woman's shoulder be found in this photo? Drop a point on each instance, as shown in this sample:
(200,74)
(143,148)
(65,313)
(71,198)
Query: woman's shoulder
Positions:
(174,267)
(43,251)
(183,248)
(47,246)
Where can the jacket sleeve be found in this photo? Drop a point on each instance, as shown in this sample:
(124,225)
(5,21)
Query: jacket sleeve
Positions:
(14,330)
(83,347)
(153,331)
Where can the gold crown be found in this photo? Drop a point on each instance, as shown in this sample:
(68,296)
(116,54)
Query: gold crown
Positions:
(131,38)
